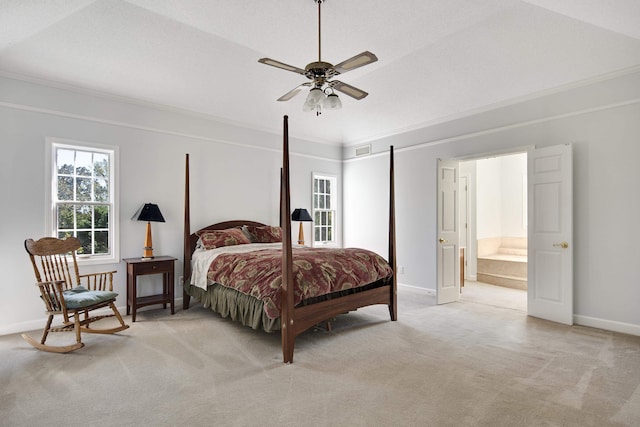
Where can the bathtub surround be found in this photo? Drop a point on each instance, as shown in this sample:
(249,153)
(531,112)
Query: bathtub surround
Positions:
(502,261)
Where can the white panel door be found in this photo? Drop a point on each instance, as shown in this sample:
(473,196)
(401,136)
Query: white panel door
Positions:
(550,288)
(448,246)
(465,239)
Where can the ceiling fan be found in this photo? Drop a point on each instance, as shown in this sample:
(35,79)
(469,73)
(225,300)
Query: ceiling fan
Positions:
(322,93)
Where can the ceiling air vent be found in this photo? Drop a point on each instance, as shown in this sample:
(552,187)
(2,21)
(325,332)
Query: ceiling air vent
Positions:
(365,150)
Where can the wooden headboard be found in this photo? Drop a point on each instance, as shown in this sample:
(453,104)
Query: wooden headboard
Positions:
(193,238)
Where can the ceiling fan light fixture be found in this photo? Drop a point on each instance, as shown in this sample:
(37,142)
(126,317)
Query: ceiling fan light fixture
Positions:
(315,96)
(332,102)
(307,107)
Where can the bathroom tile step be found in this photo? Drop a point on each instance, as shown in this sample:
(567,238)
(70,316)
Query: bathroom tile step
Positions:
(502,266)
(501,280)
(512,251)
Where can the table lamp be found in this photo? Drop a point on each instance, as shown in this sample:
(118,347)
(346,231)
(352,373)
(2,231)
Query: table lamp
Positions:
(148,212)
(303,216)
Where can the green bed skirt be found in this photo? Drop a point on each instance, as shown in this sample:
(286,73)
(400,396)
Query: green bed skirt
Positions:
(232,304)
(249,310)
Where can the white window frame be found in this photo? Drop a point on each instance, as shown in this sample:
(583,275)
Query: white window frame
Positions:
(316,210)
(51,194)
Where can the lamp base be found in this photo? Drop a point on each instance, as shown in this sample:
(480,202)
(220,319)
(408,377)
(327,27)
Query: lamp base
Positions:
(300,235)
(148,245)
(147,253)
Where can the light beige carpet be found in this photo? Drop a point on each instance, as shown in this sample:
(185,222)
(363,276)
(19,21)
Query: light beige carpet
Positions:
(497,296)
(460,364)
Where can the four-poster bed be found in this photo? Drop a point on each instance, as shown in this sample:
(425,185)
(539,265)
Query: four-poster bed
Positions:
(369,278)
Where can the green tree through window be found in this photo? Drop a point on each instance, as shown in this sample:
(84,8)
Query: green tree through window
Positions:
(83,197)
(324,208)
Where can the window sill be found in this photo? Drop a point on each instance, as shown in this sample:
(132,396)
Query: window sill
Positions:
(325,245)
(96,260)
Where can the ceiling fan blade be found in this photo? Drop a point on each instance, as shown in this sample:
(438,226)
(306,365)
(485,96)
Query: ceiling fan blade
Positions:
(357,61)
(293,92)
(353,92)
(278,64)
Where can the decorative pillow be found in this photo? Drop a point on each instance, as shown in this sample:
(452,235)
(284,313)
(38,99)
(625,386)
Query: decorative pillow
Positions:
(265,234)
(212,239)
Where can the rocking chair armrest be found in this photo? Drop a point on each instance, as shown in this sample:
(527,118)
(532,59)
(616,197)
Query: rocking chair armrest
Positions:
(102,281)
(52,294)
(55,285)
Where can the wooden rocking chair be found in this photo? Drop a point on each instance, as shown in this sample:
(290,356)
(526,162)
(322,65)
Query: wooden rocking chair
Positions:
(72,296)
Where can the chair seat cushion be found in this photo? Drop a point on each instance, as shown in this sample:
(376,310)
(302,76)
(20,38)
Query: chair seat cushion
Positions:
(81,297)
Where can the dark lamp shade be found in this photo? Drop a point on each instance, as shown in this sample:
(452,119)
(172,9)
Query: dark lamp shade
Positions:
(301,215)
(148,212)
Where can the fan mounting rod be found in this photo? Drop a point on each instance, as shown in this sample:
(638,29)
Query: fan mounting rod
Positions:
(319,34)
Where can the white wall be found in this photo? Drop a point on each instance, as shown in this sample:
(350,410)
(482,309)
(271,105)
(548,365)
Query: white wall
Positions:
(235,174)
(468,170)
(501,191)
(237,170)
(489,198)
(514,195)
(606,203)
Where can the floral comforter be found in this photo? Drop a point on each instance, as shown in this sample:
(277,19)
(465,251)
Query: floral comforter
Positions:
(317,272)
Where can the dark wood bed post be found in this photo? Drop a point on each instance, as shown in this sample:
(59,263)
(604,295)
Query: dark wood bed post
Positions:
(294,321)
(393,305)
(186,265)
(286,315)
(280,205)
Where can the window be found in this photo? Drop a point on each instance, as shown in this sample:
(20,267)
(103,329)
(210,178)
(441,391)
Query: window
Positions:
(324,208)
(83,198)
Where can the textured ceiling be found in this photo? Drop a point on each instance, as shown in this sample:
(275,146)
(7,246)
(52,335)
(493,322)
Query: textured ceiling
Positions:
(438,59)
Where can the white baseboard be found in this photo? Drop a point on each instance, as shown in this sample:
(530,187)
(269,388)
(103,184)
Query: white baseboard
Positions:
(608,325)
(30,325)
(38,324)
(593,322)
(425,290)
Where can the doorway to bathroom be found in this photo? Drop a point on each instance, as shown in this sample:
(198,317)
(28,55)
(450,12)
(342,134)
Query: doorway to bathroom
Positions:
(493,225)
(549,203)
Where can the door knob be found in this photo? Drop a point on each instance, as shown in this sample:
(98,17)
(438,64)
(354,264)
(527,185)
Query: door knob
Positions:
(563,245)
(442,240)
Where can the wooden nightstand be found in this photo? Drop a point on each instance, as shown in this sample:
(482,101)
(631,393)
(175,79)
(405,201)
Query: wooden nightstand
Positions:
(139,267)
